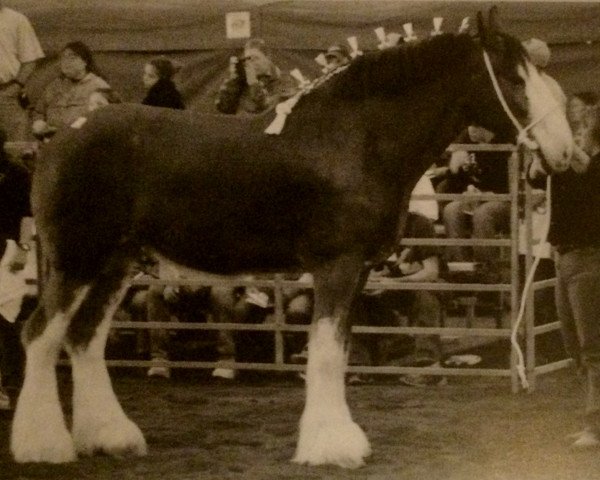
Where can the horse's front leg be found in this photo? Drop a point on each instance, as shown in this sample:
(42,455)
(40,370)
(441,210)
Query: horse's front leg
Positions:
(328,435)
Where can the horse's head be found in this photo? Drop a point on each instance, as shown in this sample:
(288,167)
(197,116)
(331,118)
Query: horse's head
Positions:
(510,94)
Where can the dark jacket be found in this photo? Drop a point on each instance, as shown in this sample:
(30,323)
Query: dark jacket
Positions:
(164,93)
(236,96)
(575,208)
(488,174)
(15,185)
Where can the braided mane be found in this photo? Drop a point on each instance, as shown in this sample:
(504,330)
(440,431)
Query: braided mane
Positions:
(397,69)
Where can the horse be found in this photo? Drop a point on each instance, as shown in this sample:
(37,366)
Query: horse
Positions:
(214,193)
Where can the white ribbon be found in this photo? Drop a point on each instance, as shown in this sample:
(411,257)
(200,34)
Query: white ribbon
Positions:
(354,51)
(410,33)
(386,40)
(322,62)
(380,33)
(437,25)
(282,110)
(464,26)
(302,81)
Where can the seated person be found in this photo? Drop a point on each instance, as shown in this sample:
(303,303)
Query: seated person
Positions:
(166,304)
(159,303)
(162,303)
(161,90)
(427,208)
(254,305)
(477,172)
(423,308)
(79,89)
(254,83)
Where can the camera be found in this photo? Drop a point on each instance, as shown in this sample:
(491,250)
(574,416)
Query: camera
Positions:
(239,67)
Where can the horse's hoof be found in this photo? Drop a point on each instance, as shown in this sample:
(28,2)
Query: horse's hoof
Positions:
(118,438)
(58,448)
(345,445)
(39,433)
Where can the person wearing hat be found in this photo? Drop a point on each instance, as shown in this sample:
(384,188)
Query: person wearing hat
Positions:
(254,83)
(336,56)
(539,54)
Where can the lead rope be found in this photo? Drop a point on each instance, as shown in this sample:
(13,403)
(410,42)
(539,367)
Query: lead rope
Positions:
(523,139)
(527,289)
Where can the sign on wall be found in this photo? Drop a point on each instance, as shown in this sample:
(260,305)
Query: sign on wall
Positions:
(237,24)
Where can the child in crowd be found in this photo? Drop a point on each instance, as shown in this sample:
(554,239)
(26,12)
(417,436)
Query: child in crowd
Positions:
(161,90)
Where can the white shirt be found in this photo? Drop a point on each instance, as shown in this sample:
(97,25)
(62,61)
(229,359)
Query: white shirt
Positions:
(18,43)
(427,208)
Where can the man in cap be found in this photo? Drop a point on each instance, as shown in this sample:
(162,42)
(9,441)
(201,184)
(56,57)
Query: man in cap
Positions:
(336,56)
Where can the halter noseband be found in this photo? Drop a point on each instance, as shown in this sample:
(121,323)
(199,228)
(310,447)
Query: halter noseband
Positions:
(523,137)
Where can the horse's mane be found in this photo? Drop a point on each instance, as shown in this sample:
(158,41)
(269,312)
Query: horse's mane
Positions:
(397,69)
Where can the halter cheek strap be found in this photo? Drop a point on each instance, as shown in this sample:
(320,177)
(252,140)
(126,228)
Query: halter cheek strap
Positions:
(523,137)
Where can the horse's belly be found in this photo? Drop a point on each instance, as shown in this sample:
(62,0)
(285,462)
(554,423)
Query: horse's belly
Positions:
(227,251)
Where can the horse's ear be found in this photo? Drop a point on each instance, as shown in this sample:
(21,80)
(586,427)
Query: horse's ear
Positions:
(493,20)
(481,28)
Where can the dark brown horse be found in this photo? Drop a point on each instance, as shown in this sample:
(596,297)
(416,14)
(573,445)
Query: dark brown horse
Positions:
(215,193)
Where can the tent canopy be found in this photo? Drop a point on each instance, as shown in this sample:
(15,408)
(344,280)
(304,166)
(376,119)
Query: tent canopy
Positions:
(163,25)
(126,33)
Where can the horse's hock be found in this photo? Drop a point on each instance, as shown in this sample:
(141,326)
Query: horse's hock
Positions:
(475,313)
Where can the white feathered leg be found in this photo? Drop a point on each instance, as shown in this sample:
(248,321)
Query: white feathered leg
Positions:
(328,435)
(39,432)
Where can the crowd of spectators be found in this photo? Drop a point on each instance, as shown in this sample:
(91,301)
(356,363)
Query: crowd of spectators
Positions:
(254,84)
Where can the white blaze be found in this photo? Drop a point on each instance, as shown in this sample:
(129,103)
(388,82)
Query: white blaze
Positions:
(551,129)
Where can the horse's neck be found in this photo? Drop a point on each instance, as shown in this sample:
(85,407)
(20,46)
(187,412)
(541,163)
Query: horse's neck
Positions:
(421,126)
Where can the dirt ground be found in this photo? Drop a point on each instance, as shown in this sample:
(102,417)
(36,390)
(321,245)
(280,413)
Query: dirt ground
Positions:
(471,428)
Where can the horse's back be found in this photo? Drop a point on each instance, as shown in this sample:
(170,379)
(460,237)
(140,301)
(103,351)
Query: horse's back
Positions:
(212,192)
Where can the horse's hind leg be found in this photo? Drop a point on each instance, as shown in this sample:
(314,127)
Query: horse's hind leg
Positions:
(39,432)
(328,435)
(99,423)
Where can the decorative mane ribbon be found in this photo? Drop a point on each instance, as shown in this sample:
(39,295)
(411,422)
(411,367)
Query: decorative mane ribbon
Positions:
(282,110)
